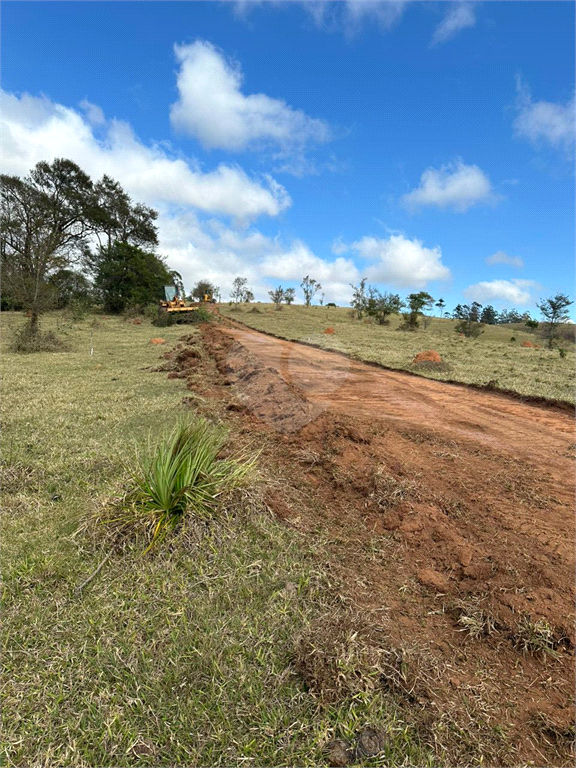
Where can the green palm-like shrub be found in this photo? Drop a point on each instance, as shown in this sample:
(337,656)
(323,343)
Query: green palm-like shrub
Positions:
(181,476)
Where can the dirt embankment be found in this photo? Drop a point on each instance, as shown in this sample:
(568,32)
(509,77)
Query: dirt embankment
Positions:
(449,518)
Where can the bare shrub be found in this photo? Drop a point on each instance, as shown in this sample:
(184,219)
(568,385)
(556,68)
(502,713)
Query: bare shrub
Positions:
(29,338)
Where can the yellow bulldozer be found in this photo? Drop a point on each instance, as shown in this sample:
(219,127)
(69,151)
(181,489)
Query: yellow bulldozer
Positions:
(175,305)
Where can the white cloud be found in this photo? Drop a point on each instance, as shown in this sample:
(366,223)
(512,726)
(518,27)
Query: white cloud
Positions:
(339,246)
(346,15)
(401,262)
(212,251)
(294,263)
(385,13)
(212,107)
(513,292)
(93,112)
(502,258)
(455,185)
(544,120)
(459,16)
(35,129)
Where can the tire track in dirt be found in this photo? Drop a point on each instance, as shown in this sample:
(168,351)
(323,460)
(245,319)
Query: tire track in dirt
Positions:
(532,433)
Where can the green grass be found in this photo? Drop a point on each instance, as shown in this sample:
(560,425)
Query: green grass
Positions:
(180,657)
(493,357)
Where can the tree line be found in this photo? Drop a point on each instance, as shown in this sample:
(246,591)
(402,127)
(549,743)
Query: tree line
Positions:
(64,237)
(417,308)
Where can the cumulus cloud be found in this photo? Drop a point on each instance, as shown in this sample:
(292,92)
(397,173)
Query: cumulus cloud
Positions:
(516,292)
(346,15)
(544,120)
(459,16)
(212,107)
(401,262)
(298,260)
(455,185)
(502,258)
(213,251)
(36,129)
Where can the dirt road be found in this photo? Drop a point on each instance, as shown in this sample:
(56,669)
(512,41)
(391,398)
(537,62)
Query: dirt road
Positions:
(540,435)
(448,512)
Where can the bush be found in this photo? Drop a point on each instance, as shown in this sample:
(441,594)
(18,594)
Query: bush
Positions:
(78,308)
(151,312)
(182,476)
(469,328)
(133,311)
(28,339)
(163,319)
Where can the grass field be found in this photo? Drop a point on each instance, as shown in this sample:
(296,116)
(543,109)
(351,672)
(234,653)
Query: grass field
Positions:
(181,657)
(494,356)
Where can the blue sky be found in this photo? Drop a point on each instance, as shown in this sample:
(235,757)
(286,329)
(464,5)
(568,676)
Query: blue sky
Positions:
(423,145)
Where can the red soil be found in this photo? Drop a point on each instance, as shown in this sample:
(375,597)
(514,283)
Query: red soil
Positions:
(465,499)
(430,356)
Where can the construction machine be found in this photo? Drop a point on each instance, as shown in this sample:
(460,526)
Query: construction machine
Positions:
(174,304)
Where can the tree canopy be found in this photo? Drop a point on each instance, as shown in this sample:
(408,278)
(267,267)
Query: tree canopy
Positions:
(555,312)
(130,276)
(55,222)
(47,219)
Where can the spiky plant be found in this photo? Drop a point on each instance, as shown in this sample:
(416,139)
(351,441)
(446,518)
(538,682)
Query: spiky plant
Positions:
(181,476)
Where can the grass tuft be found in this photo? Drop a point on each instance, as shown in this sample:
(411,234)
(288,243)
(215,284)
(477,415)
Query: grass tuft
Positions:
(338,657)
(536,637)
(181,476)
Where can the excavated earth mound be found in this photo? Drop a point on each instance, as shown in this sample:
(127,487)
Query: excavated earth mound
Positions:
(449,520)
(261,390)
(430,356)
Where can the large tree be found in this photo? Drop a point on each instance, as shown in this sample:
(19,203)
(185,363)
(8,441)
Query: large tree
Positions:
(47,218)
(489,315)
(240,291)
(120,220)
(130,276)
(469,324)
(203,288)
(71,287)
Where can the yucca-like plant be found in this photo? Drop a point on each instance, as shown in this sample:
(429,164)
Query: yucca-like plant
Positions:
(181,476)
